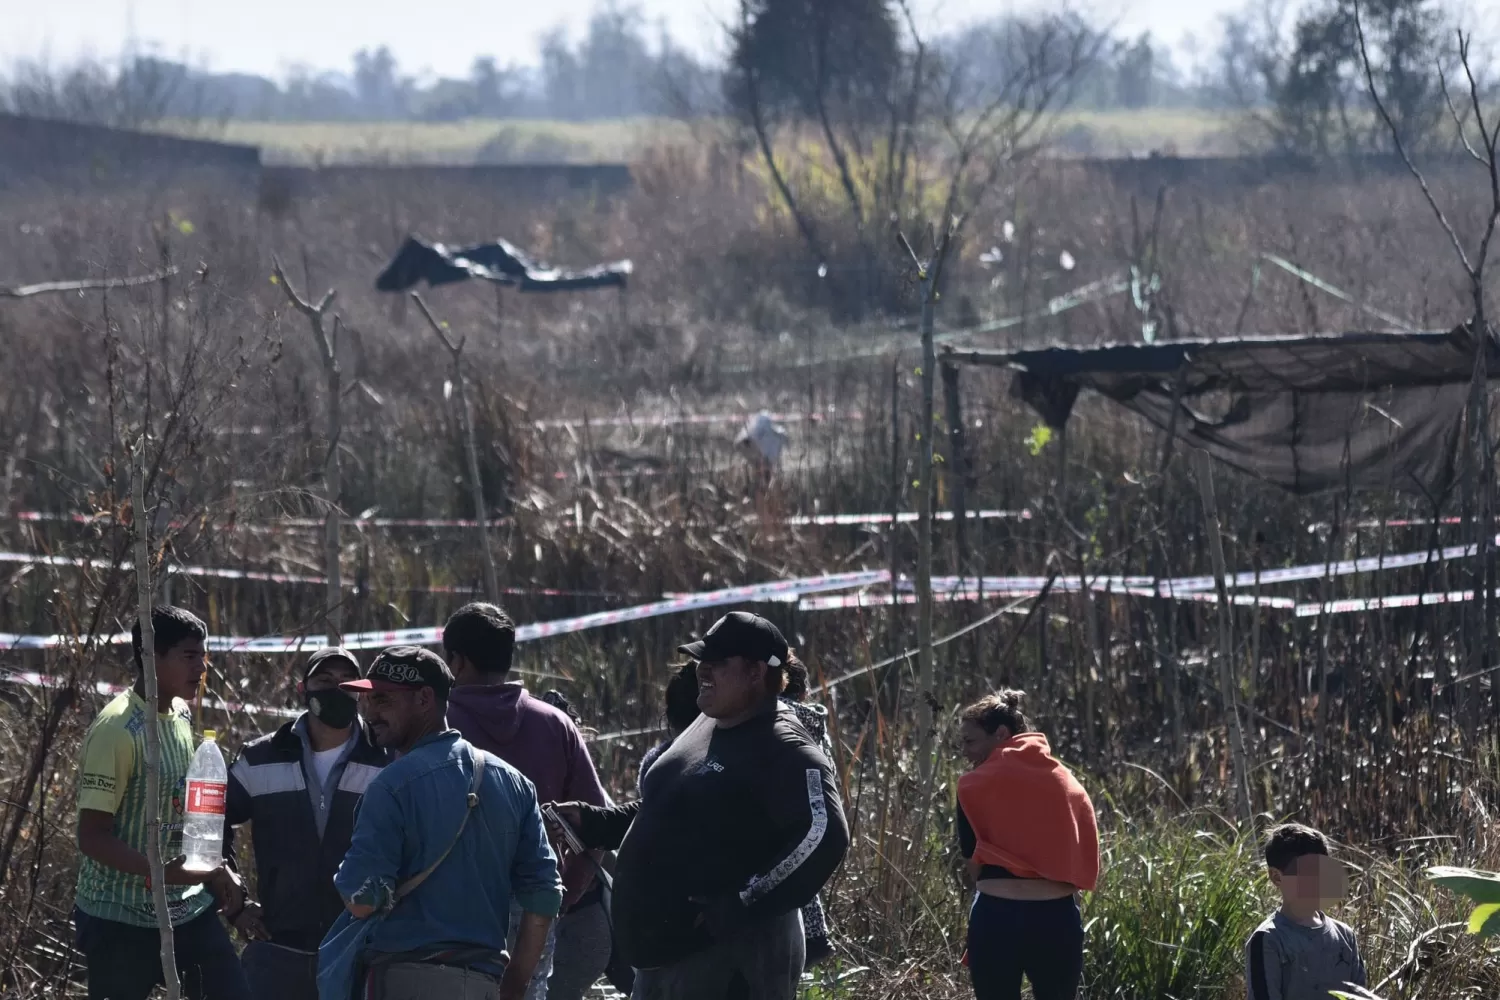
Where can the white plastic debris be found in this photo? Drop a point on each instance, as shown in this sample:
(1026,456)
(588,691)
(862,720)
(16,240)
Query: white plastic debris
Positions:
(762,434)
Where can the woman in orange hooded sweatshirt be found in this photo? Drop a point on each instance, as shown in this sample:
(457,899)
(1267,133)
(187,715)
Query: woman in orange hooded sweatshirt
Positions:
(1027,831)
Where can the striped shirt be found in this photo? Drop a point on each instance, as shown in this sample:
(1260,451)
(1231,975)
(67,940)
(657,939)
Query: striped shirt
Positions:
(114,781)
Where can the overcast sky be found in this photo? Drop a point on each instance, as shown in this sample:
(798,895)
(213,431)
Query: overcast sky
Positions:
(441,36)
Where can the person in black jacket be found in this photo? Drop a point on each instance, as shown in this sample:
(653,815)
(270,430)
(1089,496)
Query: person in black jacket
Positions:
(298,788)
(739,825)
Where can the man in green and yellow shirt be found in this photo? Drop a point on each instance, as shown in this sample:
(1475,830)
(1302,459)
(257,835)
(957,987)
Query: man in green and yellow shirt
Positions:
(114,912)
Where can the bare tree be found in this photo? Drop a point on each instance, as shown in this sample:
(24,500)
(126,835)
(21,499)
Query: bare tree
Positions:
(476,485)
(327,342)
(1480,475)
(929,273)
(154,853)
(1229,690)
(933,129)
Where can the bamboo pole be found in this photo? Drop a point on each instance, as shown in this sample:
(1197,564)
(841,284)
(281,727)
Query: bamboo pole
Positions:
(1239,773)
(144,602)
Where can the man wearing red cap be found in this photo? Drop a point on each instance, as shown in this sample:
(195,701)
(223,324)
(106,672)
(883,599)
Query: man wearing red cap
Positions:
(446,837)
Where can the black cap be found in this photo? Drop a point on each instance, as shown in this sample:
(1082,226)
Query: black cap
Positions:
(323,657)
(740,633)
(405,668)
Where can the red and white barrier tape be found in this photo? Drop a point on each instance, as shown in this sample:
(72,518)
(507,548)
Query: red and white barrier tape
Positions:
(1184,586)
(432,635)
(308,523)
(689,419)
(25,558)
(866,600)
(30,559)
(1356,604)
(28,678)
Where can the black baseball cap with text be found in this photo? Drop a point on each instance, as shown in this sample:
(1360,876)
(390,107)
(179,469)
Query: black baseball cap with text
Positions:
(740,633)
(328,656)
(405,668)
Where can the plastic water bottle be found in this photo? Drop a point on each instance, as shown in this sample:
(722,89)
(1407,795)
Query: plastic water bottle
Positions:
(203,819)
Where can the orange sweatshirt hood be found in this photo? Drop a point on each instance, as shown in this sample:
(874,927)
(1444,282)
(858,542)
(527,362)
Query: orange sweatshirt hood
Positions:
(1030,815)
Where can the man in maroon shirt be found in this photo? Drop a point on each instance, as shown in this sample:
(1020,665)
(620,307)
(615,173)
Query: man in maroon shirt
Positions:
(497,715)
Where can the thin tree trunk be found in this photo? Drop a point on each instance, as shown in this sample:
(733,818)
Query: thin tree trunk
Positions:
(327,343)
(476,485)
(958,468)
(332,488)
(1228,690)
(154,853)
(893,677)
(471,451)
(926,680)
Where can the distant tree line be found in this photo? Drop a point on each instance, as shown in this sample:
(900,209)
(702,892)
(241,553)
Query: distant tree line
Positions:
(1298,79)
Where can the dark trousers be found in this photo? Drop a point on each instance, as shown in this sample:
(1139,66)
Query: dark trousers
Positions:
(125,961)
(1042,940)
(277,973)
(761,962)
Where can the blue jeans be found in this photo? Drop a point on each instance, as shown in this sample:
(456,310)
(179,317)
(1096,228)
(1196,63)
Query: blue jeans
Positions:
(125,961)
(1041,939)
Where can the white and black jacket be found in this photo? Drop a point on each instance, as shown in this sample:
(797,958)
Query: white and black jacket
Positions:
(748,815)
(300,833)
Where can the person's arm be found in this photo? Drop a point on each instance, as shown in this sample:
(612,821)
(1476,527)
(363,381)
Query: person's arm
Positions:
(534,881)
(366,879)
(238,809)
(536,888)
(802,803)
(581,784)
(1262,967)
(531,940)
(97,841)
(967,844)
(1358,977)
(599,827)
(108,766)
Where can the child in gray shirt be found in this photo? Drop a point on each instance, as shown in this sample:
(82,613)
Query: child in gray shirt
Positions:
(1299,952)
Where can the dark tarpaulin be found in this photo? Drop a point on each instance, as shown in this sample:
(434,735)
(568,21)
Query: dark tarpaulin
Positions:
(500,262)
(1368,410)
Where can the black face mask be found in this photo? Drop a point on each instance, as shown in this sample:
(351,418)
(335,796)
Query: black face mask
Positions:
(332,707)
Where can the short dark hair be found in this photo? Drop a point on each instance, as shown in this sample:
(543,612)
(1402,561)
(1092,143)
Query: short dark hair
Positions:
(1003,708)
(682,696)
(169,626)
(485,636)
(1291,841)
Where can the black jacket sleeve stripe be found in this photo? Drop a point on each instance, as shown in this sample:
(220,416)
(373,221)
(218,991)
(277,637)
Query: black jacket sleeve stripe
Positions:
(817,828)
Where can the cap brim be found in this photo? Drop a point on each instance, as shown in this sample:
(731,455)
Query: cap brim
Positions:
(693,650)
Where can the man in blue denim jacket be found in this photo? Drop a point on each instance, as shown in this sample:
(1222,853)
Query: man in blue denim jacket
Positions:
(447,937)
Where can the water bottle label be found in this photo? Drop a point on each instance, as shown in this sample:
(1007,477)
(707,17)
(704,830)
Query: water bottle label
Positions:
(205,797)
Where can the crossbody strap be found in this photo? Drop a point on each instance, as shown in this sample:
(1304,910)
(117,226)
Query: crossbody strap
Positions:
(410,885)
